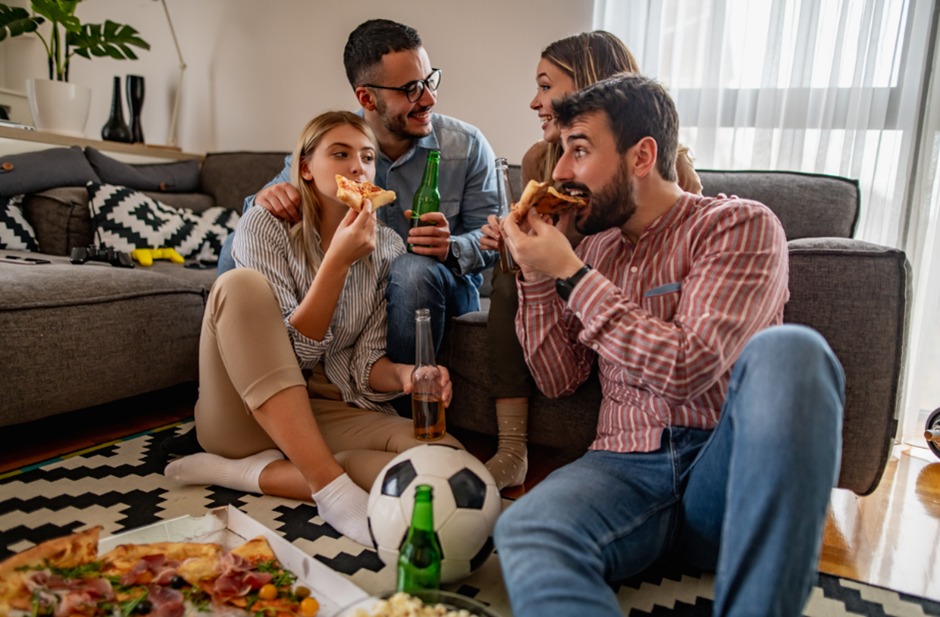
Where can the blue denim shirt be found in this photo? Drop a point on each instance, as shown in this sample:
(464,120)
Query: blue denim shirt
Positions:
(466,179)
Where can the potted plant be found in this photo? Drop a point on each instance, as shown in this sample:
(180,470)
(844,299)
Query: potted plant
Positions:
(67,36)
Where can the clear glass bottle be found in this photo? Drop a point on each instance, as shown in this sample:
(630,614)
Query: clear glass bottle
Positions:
(504,195)
(419,560)
(427,404)
(428,197)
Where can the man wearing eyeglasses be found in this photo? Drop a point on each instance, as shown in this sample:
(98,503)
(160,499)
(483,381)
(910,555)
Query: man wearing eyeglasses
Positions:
(396,86)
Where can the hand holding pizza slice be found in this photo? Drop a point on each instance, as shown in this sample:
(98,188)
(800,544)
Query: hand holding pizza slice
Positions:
(352,193)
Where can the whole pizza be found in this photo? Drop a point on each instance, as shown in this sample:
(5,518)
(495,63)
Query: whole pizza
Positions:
(65,577)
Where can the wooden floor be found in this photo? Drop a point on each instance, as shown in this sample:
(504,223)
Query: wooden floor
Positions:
(890,538)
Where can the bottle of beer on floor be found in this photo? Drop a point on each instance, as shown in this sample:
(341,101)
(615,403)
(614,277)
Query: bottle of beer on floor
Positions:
(427,404)
(419,561)
(504,194)
(428,197)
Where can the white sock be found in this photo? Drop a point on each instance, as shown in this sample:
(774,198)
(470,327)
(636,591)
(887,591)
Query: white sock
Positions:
(345,506)
(241,474)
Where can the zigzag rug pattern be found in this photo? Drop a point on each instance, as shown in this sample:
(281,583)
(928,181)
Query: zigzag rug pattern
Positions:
(120,485)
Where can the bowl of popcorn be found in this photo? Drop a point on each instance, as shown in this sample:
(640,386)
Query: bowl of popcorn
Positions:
(419,604)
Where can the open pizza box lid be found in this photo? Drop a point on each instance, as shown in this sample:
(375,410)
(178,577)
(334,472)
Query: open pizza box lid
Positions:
(231,527)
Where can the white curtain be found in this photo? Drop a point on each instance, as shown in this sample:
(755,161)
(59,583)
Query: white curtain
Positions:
(844,87)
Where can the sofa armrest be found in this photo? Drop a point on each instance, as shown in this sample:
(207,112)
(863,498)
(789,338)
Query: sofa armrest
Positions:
(857,295)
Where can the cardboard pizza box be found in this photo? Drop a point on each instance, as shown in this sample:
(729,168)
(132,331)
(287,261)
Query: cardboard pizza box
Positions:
(231,527)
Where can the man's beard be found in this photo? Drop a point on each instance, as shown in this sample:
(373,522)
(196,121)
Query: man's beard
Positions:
(612,206)
(396,125)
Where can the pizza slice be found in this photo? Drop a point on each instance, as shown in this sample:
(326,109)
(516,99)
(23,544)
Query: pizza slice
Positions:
(546,200)
(352,193)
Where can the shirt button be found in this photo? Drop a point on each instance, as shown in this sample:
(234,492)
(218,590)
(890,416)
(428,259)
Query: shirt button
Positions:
(634,269)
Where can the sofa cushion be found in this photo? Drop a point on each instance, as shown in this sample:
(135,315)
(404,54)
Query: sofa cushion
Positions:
(230,177)
(126,219)
(808,205)
(15,231)
(37,171)
(177,177)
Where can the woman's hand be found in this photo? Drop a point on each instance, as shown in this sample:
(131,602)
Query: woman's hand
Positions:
(489,241)
(447,388)
(354,238)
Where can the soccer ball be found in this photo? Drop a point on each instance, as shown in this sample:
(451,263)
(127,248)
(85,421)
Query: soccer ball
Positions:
(466,504)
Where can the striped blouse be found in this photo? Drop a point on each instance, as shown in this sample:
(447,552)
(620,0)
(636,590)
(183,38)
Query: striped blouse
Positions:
(666,317)
(356,337)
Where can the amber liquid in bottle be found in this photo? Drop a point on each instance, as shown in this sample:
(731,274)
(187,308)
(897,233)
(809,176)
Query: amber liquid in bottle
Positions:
(427,404)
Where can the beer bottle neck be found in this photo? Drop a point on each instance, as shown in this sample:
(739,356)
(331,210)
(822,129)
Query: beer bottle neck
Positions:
(430,170)
(422,519)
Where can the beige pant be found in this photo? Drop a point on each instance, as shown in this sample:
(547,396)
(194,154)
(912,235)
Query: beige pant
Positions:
(245,358)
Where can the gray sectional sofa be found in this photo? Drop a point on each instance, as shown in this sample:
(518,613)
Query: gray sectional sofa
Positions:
(75,336)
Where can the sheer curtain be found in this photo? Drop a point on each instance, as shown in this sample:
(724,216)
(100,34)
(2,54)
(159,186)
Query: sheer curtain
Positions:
(845,87)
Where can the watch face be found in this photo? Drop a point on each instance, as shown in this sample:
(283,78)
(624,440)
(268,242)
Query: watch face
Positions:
(455,249)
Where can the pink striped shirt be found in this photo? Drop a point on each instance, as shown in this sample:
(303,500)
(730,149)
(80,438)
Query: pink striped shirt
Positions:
(666,318)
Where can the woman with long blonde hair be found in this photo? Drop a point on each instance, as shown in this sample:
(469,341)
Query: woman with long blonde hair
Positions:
(294,380)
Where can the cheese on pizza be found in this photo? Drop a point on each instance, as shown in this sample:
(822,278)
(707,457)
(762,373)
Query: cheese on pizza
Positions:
(352,193)
(546,200)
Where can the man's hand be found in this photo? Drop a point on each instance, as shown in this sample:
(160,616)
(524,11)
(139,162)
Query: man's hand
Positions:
(355,236)
(489,241)
(540,249)
(431,239)
(282,200)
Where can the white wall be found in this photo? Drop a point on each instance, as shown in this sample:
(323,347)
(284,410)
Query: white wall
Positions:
(259,69)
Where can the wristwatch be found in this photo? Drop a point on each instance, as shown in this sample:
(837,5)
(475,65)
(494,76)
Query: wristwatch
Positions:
(564,287)
(453,257)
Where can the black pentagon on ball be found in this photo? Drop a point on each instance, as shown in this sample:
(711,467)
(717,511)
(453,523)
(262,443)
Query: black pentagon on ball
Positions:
(482,554)
(397,478)
(468,489)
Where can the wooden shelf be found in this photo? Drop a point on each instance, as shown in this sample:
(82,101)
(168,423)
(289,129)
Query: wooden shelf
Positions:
(17,140)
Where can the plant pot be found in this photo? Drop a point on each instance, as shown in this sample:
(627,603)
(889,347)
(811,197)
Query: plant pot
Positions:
(59,106)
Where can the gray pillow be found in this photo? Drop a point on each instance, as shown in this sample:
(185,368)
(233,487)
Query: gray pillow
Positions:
(178,177)
(33,172)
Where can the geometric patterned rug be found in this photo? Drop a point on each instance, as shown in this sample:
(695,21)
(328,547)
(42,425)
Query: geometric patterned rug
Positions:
(120,485)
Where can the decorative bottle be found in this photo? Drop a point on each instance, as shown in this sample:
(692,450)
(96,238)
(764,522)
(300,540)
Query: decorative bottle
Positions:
(135,103)
(115,129)
(419,560)
(504,195)
(427,405)
(428,197)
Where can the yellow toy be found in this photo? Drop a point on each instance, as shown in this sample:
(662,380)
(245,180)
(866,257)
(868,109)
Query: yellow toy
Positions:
(146,256)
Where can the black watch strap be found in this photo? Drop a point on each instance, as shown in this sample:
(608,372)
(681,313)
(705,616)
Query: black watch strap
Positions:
(564,287)
(453,257)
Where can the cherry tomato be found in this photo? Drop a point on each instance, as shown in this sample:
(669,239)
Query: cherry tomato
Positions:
(309,606)
(267,592)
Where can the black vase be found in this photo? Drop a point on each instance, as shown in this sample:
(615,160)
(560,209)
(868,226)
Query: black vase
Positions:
(115,129)
(135,101)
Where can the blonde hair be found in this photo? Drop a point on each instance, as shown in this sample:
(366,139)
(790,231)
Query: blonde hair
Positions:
(307,231)
(586,58)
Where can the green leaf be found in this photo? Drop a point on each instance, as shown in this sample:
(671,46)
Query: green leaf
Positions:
(15,21)
(61,11)
(111,40)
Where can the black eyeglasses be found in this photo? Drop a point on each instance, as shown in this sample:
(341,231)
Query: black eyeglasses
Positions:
(415,89)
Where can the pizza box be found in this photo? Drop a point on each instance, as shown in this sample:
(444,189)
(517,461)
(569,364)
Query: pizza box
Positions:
(231,527)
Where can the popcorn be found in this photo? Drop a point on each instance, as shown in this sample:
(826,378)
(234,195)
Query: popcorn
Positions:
(404,605)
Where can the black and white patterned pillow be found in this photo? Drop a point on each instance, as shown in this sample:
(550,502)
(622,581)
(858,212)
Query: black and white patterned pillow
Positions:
(15,231)
(127,220)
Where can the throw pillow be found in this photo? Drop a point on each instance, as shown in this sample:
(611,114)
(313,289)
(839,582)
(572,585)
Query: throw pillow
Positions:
(33,172)
(128,220)
(179,177)
(15,231)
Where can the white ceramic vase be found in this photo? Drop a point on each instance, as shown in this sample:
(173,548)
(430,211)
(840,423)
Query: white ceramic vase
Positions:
(59,106)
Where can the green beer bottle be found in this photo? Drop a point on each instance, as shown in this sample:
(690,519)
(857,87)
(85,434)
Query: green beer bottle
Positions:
(428,197)
(419,560)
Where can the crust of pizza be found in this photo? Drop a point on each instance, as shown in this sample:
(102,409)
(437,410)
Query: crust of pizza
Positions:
(546,200)
(65,552)
(255,551)
(352,193)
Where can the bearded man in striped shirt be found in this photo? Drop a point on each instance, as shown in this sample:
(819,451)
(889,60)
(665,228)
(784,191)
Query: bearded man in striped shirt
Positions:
(719,433)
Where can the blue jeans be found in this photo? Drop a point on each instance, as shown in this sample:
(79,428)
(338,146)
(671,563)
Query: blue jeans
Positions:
(226,262)
(746,500)
(417,281)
